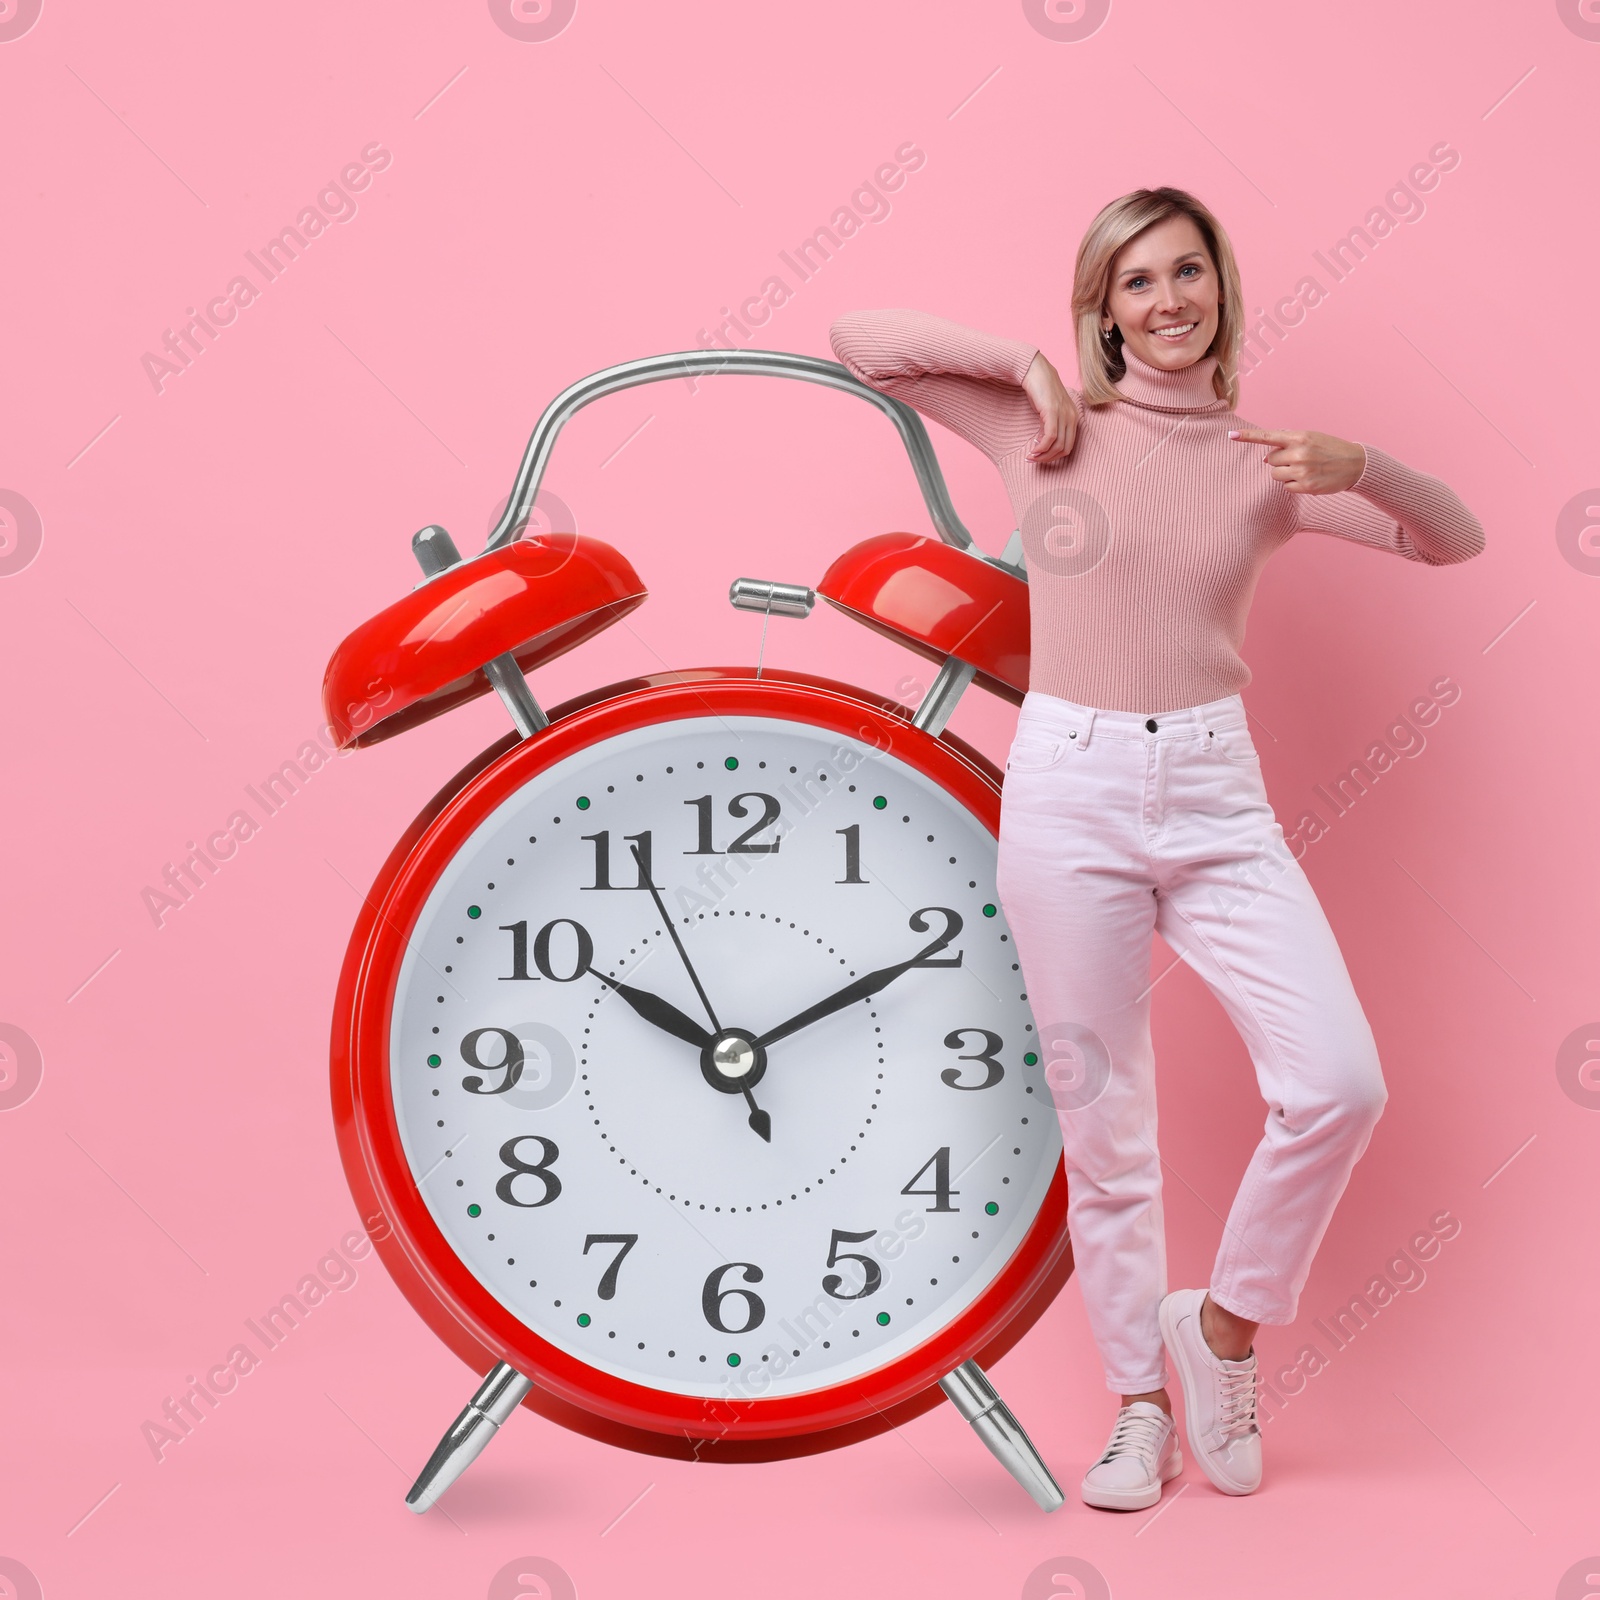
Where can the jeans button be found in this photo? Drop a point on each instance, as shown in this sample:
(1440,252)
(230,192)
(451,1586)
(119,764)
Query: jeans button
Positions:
(1150,723)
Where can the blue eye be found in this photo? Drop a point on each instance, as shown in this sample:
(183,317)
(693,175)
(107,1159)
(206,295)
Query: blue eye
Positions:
(1139,278)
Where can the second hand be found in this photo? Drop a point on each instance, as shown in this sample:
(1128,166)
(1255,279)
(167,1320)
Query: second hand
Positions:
(760,1121)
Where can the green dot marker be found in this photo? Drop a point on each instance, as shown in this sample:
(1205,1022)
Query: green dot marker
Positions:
(474,1211)
(992,1209)
(733,1360)
(583,1319)
(433,1061)
(883,1319)
(474,911)
(730,762)
(583,802)
(879,802)
(1030,1060)
(988,911)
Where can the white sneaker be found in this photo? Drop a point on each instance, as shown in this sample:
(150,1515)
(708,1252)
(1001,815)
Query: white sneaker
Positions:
(1219,1397)
(1142,1455)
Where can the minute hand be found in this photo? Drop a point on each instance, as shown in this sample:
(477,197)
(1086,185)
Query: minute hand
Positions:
(859,990)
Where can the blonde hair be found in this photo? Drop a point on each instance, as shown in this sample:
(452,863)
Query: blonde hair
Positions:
(1100,362)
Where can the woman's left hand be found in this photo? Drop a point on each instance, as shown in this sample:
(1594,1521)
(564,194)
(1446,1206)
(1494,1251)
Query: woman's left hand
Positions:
(1308,463)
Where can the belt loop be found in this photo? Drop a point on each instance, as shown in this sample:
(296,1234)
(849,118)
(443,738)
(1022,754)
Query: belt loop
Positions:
(1084,717)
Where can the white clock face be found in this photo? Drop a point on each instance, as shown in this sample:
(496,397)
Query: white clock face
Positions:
(712,1169)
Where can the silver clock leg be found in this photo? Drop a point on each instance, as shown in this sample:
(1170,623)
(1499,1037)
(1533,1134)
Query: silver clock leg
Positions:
(499,1395)
(972,1394)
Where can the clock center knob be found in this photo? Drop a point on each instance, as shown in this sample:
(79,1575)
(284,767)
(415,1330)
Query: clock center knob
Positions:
(733,1061)
(733,1055)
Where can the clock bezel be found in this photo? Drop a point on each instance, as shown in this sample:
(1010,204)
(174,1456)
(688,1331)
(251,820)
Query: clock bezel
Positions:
(435,1281)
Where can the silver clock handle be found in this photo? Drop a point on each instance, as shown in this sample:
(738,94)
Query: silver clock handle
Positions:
(708,363)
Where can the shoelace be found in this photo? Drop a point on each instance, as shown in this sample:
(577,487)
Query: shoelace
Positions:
(1136,1433)
(1236,1414)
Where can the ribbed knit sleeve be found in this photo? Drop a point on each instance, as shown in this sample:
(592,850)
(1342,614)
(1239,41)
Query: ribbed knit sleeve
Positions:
(971,382)
(1395,508)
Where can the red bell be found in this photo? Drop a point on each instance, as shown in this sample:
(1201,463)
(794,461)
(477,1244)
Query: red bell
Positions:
(939,601)
(532,599)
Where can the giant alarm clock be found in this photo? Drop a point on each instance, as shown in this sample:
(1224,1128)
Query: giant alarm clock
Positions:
(682,1065)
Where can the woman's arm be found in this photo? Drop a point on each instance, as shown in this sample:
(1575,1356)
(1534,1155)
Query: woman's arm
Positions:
(1387,504)
(971,382)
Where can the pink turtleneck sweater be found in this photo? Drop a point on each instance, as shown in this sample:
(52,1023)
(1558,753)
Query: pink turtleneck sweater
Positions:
(1144,545)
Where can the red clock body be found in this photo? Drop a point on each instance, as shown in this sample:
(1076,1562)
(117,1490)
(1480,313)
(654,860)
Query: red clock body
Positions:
(709,745)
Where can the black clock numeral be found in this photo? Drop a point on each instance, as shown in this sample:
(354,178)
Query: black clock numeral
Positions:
(713,1294)
(541,948)
(952,926)
(584,955)
(852,854)
(770,812)
(833,1283)
(705,846)
(941,1191)
(510,1062)
(540,1169)
(608,1278)
(519,951)
(602,860)
(984,1057)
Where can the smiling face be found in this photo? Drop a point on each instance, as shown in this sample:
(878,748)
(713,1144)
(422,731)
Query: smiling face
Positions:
(1165,279)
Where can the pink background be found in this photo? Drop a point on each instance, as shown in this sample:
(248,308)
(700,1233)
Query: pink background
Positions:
(554,206)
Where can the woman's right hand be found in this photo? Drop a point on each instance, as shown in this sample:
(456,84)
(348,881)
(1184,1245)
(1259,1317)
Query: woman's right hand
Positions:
(1058,417)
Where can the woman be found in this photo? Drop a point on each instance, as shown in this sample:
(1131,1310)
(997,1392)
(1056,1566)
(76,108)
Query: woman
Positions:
(1134,799)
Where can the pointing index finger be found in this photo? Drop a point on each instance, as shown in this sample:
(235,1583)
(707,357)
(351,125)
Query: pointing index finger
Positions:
(1259,435)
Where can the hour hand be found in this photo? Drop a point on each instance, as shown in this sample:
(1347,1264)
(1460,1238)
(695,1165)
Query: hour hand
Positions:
(658,1012)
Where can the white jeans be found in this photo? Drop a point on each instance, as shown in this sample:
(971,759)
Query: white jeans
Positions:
(1113,825)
